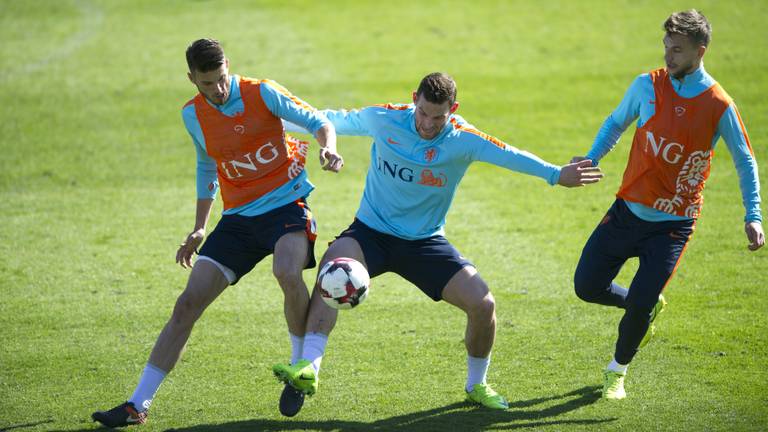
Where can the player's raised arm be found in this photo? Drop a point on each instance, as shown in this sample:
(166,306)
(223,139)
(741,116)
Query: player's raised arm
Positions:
(294,111)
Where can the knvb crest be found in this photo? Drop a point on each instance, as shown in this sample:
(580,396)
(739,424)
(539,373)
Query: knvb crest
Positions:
(679,111)
(430,154)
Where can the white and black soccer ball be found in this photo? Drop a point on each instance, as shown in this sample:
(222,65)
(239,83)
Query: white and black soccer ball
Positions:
(343,283)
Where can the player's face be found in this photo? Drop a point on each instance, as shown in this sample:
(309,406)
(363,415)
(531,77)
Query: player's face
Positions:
(431,117)
(681,54)
(214,85)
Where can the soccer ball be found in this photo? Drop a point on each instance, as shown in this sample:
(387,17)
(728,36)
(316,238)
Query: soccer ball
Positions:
(343,283)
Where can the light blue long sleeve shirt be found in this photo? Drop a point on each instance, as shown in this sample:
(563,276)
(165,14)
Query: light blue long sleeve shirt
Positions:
(279,104)
(411,181)
(635,106)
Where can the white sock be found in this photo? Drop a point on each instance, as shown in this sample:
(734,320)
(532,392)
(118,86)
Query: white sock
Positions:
(314,347)
(618,289)
(149,382)
(476,370)
(617,367)
(297,343)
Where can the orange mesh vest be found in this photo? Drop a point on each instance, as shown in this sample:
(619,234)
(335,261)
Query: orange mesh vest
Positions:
(671,153)
(252,153)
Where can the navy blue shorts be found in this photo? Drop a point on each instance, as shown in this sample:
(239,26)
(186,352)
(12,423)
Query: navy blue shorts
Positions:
(427,263)
(622,235)
(240,242)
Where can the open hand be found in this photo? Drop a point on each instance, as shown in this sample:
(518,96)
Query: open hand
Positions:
(579,174)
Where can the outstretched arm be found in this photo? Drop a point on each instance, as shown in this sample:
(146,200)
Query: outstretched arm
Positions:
(492,150)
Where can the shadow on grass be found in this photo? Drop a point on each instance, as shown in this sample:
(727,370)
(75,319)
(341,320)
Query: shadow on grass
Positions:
(456,416)
(21,426)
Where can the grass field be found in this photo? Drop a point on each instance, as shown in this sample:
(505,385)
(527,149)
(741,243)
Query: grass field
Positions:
(97,190)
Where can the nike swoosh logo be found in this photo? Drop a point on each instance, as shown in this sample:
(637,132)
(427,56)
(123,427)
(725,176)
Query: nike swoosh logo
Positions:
(391,141)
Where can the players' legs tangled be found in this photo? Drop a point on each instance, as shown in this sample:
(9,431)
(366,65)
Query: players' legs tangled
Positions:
(302,377)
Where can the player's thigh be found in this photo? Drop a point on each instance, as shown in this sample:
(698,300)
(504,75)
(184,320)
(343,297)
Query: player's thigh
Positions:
(346,247)
(430,264)
(206,282)
(291,253)
(605,252)
(659,260)
(467,290)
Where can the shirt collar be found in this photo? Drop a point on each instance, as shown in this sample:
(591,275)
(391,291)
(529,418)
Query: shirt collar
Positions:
(698,76)
(234,94)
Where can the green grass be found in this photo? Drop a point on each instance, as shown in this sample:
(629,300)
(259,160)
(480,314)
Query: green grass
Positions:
(97,190)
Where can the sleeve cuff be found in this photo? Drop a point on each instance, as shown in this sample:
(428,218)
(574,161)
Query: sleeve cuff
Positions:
(554,177)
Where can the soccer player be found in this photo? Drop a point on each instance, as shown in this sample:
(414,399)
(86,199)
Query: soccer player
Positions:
(419,154)
(682,112)
(235,125)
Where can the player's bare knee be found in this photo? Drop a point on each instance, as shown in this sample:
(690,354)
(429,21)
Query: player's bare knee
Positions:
(187,310)
(489,305)
(482,306)
(289,278)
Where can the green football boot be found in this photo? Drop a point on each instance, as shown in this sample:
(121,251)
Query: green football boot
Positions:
(657,309)
(300,376)
(484,395)
(613,386)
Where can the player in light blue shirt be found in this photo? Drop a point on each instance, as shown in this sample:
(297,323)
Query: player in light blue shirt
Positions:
(419,154)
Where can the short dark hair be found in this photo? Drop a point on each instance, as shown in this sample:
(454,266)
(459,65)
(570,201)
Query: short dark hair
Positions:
(691,23)
(438,88)
(205,55)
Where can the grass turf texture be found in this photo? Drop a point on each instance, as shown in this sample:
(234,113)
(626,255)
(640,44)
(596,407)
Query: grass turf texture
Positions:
(97,189)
